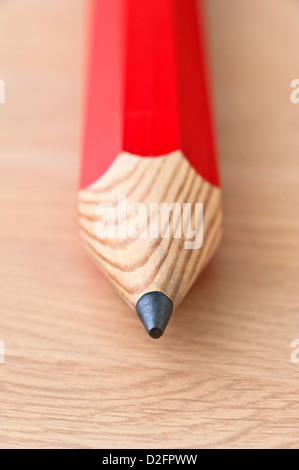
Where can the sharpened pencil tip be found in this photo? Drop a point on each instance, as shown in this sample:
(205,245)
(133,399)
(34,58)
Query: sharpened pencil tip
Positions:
(154,310)
(155,333)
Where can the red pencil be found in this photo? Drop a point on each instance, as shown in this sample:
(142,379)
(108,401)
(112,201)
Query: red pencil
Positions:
(149,140)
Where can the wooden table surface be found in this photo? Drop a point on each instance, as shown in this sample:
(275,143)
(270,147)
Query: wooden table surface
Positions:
(80,370)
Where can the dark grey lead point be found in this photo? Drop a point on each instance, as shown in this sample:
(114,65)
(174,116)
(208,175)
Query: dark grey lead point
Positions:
(154,310)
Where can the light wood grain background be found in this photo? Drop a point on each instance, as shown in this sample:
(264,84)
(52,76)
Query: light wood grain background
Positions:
(80,370)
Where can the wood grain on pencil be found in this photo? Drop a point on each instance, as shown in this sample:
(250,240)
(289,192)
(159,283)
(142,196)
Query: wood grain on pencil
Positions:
(141,265)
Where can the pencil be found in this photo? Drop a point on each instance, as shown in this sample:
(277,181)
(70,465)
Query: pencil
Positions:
(149,178)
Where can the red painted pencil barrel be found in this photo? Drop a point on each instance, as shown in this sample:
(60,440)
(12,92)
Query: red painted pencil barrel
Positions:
(147,90)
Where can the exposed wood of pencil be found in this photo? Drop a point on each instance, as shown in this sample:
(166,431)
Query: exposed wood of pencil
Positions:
(141,265)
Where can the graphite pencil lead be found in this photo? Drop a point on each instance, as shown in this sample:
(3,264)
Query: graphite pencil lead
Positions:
(154,310)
